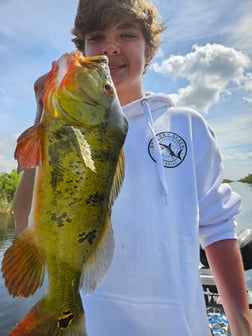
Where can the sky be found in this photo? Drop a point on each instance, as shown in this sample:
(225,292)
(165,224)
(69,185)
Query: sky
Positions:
(204,62)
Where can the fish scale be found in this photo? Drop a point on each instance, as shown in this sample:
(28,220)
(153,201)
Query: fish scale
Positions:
(77,151)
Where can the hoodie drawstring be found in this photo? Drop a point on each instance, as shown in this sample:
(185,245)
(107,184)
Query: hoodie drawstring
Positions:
(157,149)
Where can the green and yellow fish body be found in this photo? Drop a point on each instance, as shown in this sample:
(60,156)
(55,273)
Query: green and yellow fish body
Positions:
(77,149)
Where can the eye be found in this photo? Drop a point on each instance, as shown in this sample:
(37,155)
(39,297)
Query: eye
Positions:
(128,36)
(108,88)
(93,38)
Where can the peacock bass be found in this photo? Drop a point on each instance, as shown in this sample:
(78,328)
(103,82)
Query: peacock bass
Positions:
(77,151)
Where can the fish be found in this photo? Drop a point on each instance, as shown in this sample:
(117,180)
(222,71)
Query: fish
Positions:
(171,151)
(77,149)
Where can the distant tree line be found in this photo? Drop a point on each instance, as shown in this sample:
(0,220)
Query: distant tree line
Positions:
(247,179)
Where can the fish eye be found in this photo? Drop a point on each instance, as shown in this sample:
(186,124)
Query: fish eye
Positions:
(108,88)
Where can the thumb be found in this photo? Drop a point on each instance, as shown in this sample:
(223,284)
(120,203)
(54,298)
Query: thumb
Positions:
(38,88)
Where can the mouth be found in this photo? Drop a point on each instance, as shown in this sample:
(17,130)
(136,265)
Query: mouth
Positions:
(114,67)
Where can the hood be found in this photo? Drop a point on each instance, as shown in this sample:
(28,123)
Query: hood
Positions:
(156,101)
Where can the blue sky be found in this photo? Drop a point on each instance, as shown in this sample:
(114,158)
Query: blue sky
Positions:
(204,61)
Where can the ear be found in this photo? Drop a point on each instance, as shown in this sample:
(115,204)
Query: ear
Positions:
(148,59)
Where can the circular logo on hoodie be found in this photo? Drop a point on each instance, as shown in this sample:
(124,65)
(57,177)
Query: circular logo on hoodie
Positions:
(172,146)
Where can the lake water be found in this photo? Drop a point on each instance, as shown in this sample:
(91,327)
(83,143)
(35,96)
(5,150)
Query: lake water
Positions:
(12,310)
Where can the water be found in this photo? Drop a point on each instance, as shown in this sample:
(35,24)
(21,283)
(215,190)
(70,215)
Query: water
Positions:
(12,310)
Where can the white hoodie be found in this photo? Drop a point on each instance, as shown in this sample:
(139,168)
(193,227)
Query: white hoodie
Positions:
(171,195)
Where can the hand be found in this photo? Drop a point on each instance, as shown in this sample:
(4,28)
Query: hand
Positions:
(38,88)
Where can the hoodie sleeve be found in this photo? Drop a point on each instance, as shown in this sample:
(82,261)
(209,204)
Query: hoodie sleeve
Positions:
(218,204)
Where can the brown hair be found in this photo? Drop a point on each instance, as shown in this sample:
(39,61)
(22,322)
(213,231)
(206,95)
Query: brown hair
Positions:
(101,14)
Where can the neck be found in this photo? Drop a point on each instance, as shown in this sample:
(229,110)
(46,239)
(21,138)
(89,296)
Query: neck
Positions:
(129,96)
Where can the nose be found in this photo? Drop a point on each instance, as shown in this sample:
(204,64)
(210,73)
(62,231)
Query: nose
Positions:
(110,49)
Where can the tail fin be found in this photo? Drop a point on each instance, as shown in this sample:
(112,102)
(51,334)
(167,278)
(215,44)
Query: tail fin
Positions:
(43,321)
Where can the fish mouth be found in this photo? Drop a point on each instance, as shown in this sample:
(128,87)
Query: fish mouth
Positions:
(92,60)
(89,62)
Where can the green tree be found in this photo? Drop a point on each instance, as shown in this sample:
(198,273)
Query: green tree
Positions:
(8,184)
(247,179)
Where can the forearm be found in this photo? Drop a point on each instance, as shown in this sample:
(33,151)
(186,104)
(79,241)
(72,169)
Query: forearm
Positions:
(22,200)
(226,265)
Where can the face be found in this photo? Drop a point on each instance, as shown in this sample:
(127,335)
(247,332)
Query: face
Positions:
(125,47)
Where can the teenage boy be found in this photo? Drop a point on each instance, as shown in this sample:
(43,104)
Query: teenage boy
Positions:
(172,195)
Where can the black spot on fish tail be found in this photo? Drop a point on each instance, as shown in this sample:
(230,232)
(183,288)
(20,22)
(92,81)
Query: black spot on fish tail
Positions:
(59,219)
(95,199)
(65,321)
(87,236)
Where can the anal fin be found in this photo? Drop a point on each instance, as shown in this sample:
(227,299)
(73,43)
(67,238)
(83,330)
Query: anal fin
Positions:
(23,266)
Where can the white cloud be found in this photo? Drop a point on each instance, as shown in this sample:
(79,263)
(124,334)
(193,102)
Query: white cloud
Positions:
(211,70)
(246,81)
(247,99)
(240,34)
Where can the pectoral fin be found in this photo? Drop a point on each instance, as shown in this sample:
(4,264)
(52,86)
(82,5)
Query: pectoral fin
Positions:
(23,266)
(81,145)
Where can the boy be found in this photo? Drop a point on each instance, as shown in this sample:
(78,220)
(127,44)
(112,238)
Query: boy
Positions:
(172,195)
